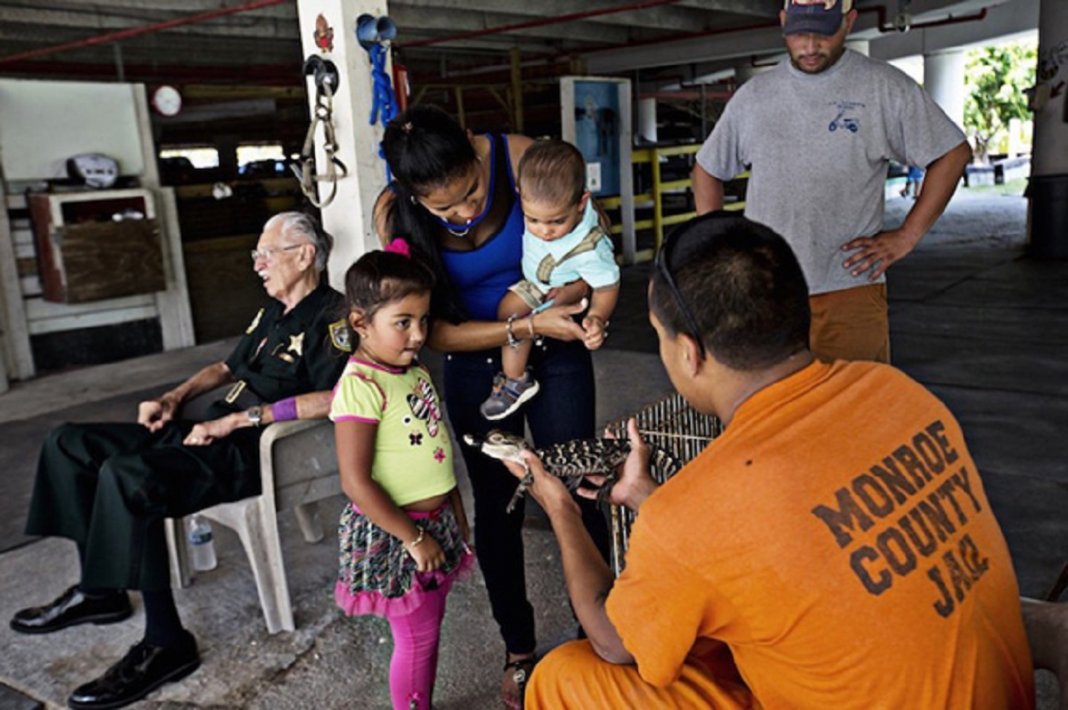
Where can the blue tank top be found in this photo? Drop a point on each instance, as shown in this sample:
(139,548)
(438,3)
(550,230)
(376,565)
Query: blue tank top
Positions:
(482,276)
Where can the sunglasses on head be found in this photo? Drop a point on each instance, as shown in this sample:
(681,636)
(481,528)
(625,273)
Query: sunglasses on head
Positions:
(662,263)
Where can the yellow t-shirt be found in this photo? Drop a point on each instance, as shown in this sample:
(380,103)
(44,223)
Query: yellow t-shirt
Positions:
(413,452)
(838,539)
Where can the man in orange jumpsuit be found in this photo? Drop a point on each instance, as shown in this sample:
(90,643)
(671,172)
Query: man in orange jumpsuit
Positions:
(833,548)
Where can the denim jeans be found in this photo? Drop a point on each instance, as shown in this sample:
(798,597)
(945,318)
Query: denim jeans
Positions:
(562,410)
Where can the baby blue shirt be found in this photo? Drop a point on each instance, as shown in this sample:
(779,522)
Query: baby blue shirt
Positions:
(584,253)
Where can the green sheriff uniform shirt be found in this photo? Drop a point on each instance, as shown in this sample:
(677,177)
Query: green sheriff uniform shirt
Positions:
(146,476)
(285,354)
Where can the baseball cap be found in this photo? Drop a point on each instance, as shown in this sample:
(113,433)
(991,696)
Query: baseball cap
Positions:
(822,17)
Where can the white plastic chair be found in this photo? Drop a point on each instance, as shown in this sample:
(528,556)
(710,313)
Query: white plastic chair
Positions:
(298,467)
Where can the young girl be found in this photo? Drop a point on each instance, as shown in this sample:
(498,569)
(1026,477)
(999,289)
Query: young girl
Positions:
(403,537)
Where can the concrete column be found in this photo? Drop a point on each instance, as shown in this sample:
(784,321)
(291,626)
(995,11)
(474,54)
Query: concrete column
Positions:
(859,45)
(1048,223)
(943,77)
(647,120)
(1050,153)
(227,147)
(744,71)
(1015,142)
(4,386)
(516,61)
(348,217)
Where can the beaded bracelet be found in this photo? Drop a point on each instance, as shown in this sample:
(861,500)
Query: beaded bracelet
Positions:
(418,539)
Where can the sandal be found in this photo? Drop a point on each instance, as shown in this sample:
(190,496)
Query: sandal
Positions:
(521,670)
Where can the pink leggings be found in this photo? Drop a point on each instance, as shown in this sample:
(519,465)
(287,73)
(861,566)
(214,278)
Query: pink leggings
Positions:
(415,652)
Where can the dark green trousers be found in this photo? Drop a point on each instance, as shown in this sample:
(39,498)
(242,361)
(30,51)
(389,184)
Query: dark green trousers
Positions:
(108,488)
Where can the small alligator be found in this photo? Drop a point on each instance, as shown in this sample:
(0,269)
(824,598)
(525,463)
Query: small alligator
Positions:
(569,461)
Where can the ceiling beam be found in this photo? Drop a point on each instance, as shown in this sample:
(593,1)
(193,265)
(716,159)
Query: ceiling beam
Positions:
(158,50)
(151,9)
(1017,16)
(416,16)
(663,18)
(695,12)
(264,28)
(238,51)
(456,23)
(757,38)
(45,25)
(767,9)
(152,73)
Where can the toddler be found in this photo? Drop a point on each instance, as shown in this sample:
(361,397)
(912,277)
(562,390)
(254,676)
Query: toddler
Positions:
(563,242)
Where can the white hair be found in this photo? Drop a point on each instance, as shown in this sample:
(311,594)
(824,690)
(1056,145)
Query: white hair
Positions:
(302,225)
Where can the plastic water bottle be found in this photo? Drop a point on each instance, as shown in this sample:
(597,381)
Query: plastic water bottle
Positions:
(201,545)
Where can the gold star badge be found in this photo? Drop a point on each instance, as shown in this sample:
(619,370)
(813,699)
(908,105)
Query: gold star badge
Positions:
(296,344)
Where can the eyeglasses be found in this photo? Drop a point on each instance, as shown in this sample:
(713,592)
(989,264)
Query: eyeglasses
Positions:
(268,253)
(663,258)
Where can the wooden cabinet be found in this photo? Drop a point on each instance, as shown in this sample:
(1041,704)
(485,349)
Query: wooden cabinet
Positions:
(97,245)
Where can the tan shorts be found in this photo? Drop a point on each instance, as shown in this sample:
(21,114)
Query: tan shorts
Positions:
(531,294)
(851,324)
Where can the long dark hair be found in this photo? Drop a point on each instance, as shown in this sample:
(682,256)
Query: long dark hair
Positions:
(425,149)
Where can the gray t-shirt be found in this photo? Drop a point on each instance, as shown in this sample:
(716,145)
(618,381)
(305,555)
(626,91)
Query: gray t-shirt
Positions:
(818,146)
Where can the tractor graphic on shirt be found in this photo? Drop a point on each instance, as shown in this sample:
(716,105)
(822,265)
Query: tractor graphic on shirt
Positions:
(846,118)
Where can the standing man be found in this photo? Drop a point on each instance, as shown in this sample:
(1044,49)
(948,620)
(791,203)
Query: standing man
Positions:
(818,132)
(108,487)
(798,561)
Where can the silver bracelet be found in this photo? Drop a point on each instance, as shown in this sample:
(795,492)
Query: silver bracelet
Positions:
(513,342)
(538,340)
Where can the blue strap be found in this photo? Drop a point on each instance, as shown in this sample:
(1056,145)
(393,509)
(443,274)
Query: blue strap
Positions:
(383,100)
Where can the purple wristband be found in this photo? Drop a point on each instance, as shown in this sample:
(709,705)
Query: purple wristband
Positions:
(284,410)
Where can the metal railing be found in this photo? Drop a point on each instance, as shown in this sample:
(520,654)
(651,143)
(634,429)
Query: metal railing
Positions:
(655,195)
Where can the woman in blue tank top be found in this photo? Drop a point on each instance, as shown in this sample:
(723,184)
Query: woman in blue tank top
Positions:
(454,200)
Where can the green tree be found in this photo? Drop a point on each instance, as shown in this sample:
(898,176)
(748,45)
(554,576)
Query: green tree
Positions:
(995,78)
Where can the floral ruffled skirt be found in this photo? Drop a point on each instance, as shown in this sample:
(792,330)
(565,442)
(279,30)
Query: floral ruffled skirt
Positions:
(376,575)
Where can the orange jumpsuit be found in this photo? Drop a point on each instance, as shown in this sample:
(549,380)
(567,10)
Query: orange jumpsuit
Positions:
(838,541)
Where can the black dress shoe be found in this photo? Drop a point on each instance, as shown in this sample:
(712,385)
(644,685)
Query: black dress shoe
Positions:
(143,669)
(72,607)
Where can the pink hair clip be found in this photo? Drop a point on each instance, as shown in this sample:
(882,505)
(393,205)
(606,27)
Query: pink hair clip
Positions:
(399,246)
(407,127)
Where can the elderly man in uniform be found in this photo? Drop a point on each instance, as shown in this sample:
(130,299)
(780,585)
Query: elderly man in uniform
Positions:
(108,487)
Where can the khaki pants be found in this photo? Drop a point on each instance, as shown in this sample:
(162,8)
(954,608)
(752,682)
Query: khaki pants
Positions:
(851,324)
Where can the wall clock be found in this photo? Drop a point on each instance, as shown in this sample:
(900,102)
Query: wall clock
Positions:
(166,100)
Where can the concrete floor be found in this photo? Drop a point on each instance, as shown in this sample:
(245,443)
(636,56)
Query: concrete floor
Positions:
(971,318)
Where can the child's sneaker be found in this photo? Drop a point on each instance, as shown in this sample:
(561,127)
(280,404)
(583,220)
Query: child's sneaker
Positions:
(508,396)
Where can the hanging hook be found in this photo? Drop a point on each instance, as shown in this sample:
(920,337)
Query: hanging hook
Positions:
(324,71)
(371,30)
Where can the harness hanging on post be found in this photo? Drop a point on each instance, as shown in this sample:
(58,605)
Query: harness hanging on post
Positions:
(327,80)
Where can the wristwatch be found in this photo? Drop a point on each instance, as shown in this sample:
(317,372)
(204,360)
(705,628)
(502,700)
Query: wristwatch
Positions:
(255,415)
